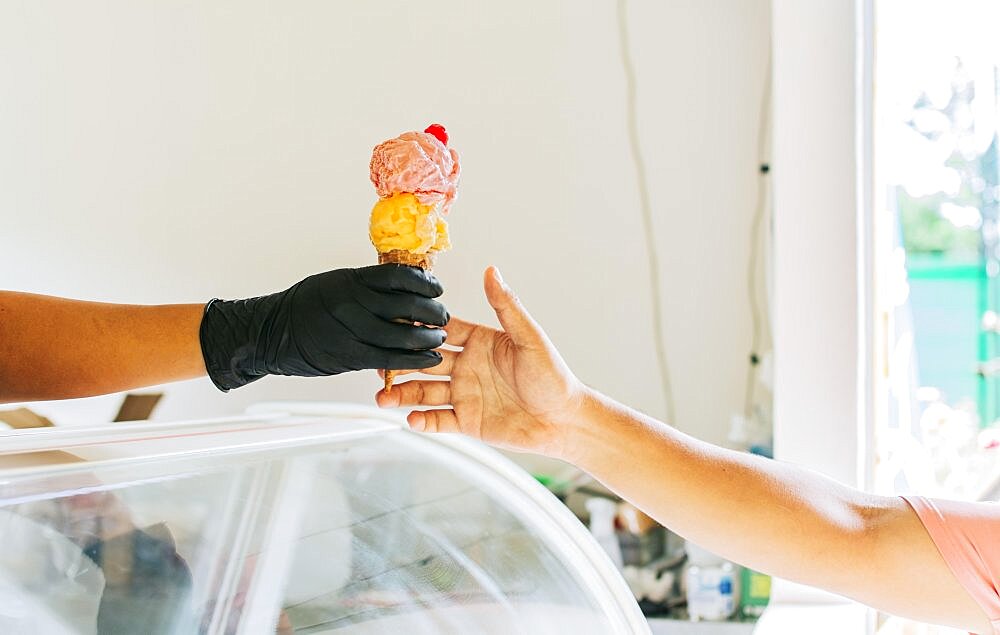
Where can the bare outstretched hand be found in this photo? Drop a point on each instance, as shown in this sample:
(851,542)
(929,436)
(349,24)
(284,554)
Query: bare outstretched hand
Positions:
(509,388)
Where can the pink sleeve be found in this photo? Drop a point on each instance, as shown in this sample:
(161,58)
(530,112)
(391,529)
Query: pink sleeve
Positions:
(968,537)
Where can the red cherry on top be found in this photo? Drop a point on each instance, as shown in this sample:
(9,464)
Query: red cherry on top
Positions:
(438,131)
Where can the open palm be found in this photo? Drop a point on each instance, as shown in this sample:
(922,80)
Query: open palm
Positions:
(509,388)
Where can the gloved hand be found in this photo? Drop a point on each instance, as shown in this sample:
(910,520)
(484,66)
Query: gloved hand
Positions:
(327,324)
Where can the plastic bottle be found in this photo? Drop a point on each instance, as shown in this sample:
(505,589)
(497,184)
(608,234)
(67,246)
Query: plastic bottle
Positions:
(712,585)
(756,593)
(602,527)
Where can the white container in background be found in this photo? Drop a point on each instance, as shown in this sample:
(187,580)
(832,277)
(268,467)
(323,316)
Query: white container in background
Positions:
(602,526)
(712,585)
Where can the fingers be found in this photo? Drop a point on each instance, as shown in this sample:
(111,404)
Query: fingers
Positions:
(443,369)
(513,317)
(458,331)
(395,359)
(372,329)
(398,306)
(433,421)
(423,393)
(391,277)
(403,336)
(416,393)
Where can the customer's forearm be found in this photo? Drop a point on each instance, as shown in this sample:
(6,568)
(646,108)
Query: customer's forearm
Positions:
(772,516)
(732,503)
(54,348)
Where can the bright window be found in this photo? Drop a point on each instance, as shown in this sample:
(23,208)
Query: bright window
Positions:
(937,83)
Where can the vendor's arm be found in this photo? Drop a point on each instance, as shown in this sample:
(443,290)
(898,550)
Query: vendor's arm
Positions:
(510,388)
(54,348)
(329,323)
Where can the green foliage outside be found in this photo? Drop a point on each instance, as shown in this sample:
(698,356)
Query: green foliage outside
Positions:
(948,262)
(925,231)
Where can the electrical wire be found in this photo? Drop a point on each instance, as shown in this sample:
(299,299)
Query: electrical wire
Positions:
(646,209)
(760,211)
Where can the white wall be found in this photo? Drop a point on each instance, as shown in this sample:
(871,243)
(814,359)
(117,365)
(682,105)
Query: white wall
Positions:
(172,152)
(816,281)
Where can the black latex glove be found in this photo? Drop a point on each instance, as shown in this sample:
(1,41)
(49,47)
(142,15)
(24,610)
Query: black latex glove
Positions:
(327,324)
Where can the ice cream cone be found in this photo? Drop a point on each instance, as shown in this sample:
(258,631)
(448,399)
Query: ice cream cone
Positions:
(416,178)
(403,257)
(390,376)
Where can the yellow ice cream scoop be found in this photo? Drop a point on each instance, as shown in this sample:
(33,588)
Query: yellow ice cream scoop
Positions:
(401,222)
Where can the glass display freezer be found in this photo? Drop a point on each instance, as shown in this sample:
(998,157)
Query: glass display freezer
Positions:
(298,518)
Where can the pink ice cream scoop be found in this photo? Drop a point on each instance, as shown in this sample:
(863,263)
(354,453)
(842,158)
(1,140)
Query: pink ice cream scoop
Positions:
(420,163)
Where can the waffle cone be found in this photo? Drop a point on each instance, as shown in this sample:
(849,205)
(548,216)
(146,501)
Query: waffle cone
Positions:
(403,257)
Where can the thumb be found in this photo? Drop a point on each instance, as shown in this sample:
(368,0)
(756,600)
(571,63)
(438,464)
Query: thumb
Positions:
(514,319)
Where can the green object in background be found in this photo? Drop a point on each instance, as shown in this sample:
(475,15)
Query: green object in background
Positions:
(948,297)
(544,479)
(755,592)
(550,483)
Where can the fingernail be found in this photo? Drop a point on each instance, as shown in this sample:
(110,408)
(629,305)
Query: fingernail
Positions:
(499,278)
(416,421)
